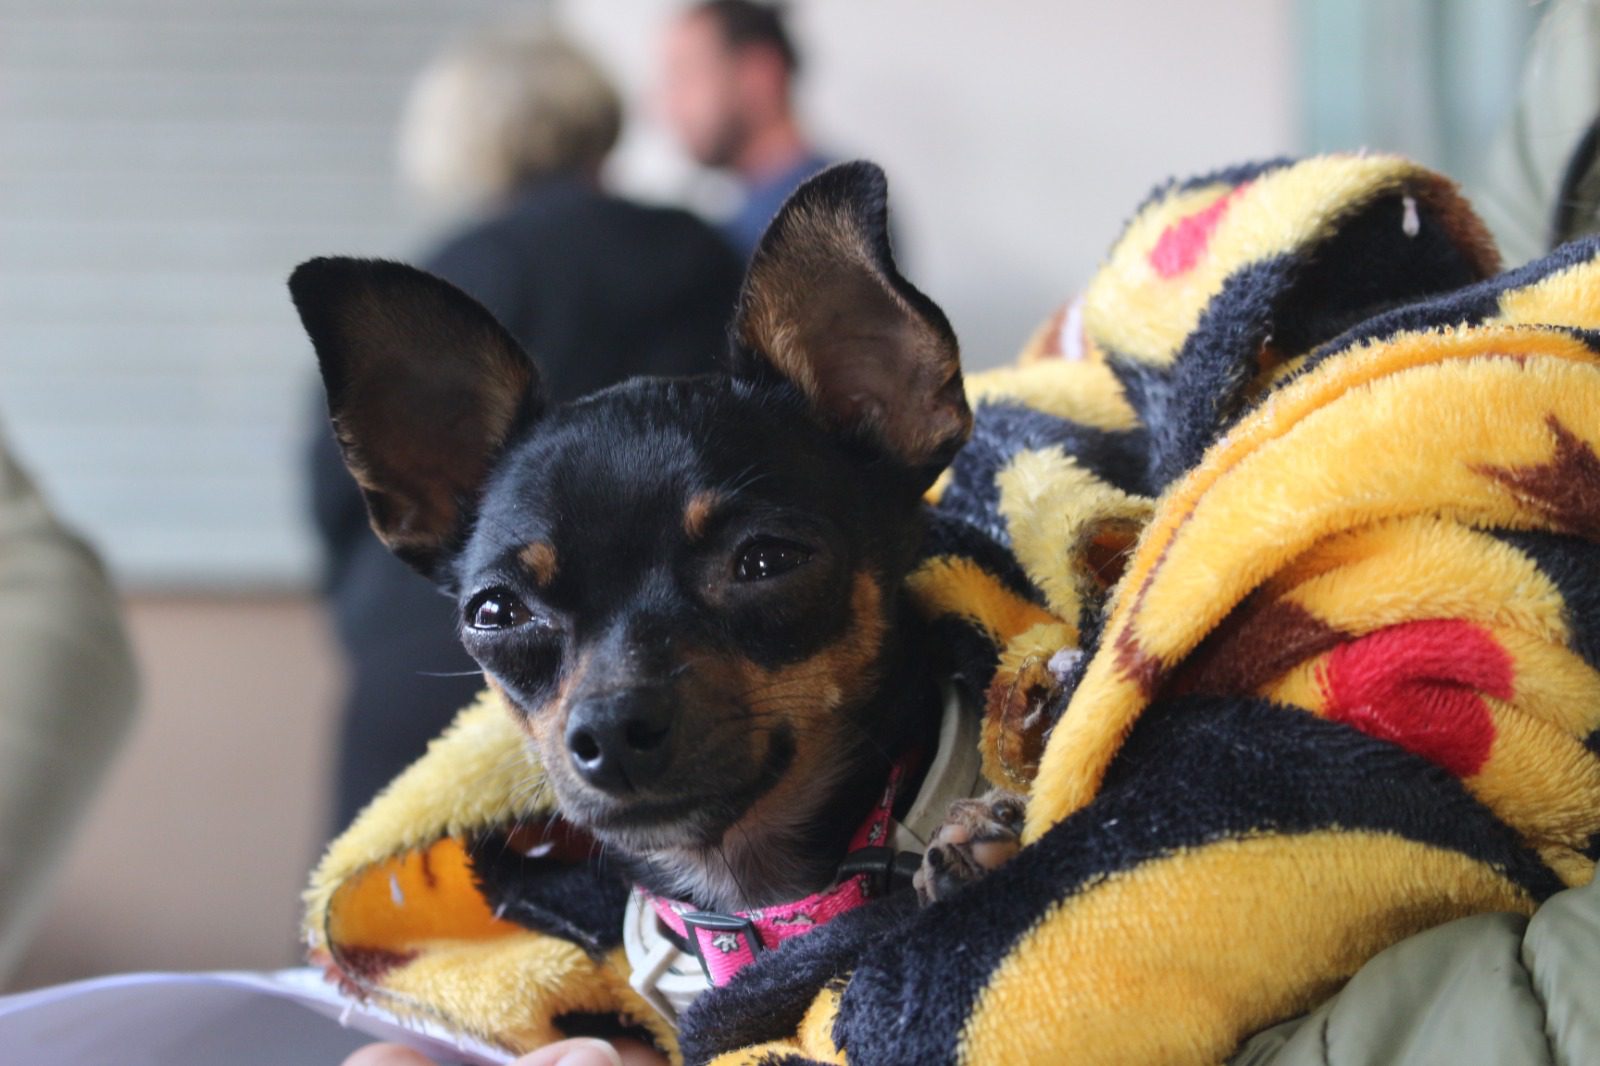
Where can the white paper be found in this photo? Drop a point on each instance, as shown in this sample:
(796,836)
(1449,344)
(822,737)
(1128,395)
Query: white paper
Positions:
(287,1018)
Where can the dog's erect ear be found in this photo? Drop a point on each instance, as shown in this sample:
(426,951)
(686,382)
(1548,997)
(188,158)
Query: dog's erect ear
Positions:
(424,388)
(824,308)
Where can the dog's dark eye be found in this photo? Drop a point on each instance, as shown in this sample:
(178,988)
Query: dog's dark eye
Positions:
(767,557)
(497,609)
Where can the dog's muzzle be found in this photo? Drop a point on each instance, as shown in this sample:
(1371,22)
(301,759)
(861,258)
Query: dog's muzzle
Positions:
(676,952)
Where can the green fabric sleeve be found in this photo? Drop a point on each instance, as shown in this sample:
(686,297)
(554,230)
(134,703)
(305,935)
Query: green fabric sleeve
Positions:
(1529,164)
(67,691)
(1492,989)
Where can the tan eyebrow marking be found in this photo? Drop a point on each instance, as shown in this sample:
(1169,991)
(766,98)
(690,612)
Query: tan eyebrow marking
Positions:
(540,559)
(697,513)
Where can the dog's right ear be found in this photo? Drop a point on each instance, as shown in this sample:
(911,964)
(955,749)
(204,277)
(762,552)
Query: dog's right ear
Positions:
(825,309)
(424,389)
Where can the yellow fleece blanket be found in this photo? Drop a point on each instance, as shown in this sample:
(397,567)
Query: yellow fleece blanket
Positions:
(1272,569)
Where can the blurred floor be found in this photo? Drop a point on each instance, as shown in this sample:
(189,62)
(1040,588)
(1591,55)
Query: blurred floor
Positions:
(195,852)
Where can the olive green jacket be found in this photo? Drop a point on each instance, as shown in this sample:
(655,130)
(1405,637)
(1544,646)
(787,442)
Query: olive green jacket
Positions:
(1542,182)
(1490,990)
(66,695)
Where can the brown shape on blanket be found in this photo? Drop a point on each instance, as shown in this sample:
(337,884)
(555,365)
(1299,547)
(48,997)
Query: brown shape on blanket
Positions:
(1566,489)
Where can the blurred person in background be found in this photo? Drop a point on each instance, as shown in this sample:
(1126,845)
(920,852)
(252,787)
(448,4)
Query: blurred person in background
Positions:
(511,126)
(727,93)
(67,693)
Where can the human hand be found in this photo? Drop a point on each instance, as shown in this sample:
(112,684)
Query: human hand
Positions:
(578,1052)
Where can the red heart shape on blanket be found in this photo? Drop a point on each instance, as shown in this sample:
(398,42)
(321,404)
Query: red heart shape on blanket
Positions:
(1181,244)
(1419,685)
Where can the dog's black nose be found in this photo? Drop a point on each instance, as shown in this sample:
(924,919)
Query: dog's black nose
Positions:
(621,742)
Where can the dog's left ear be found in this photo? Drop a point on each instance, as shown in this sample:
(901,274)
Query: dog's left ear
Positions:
(425,389)
(825,309)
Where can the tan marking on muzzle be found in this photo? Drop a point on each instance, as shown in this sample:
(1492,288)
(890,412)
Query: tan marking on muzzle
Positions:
(809,696)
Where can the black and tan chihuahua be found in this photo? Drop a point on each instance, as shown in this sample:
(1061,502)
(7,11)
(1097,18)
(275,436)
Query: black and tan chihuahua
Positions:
(688,591)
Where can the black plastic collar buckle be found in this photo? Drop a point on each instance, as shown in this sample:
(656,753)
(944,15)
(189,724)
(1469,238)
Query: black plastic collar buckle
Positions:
(886,869)
(720,925)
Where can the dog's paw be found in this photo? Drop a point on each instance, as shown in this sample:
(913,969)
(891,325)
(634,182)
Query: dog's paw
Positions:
(978,835)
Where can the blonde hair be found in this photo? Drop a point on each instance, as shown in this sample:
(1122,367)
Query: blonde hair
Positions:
(503,107)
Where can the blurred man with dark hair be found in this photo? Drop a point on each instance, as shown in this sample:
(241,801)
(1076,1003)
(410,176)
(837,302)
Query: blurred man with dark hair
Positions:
(726,90)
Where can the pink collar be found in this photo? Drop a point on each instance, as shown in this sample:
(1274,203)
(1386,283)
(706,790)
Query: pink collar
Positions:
(727,943)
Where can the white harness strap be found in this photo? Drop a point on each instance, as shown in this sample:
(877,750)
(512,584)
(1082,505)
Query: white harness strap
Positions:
(670,978)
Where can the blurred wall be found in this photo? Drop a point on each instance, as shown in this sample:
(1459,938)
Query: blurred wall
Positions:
(163,166)
(1018,136)
(165,163)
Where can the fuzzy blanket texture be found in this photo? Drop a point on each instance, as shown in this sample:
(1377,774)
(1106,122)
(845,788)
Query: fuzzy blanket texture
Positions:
(1272,570)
